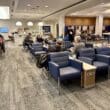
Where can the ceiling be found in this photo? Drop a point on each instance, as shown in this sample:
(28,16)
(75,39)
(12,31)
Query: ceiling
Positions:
(100,9)
(37,9)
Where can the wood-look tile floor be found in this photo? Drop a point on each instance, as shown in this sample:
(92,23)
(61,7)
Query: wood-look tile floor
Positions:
(24,87)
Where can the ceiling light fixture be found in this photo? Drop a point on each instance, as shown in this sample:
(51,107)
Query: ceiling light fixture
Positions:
(40,23)
(30,23)
(28,4)
(46,6)
(18,23)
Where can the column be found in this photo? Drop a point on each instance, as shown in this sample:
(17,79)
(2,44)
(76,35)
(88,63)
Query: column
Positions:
(61,23)
(99,25)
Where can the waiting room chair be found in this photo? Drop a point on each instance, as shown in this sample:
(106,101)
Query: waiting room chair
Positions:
(63,68)
(103,51)
(101,62)
(37,49)
(67,44)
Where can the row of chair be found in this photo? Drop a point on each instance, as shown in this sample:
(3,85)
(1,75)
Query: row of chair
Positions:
(99,57)
(59,65)
(63,68)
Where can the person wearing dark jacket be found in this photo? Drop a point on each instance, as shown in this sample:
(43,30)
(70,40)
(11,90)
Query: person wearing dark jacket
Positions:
(2,43)
(28,40)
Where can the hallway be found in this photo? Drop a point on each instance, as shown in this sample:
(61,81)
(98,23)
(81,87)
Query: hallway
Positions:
(24,87)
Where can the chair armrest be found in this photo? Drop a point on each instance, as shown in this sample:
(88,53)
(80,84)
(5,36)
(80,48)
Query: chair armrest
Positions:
(87,60)
(31,48)
(103,58)
(76,64)
(54,69)
(45,49)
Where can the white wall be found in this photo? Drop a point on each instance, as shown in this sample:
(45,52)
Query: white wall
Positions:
(11,24)
(99,25)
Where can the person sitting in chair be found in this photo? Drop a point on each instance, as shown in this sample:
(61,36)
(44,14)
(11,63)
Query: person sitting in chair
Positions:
(27,41)
(77,45)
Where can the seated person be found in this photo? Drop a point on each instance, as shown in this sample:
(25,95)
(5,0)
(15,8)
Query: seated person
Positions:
(28,40)
(11,36)
(46,45)
(66,37)
(2,43)
(51,38)
(77,45)
(39,39)
(58,46)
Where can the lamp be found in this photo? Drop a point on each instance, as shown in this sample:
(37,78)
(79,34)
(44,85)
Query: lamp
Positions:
(40,23)
(30,23)
(18,23)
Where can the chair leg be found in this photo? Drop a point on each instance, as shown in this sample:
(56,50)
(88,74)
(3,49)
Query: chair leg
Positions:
(58,85)
(108,72)
(45,73)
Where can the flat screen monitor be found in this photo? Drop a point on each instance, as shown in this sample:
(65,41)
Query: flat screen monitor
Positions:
(4,30)
(46,29)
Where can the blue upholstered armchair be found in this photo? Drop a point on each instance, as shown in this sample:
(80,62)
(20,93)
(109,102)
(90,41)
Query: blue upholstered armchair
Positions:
(103,51)
(62,68)
(37,49)
(101,62)
(67,44)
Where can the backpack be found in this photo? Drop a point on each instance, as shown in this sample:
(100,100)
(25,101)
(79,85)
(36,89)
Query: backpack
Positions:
(42,61)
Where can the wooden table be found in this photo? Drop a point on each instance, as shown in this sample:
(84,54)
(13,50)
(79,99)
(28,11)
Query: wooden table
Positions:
(88,76)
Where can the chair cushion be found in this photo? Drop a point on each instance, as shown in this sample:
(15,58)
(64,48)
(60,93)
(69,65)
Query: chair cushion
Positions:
(39,52)
(100,64)
(61,58)
(104,51)
(87,52)
(69,72)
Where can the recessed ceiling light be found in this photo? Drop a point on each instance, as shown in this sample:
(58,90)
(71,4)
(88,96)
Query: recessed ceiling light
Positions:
(102,3)
(28,4)
(40,23)
(107,11)
(18,23)
(46,6)
(30,23)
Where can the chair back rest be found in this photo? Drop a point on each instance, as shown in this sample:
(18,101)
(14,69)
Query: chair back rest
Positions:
(89,45)
(87,52)
(37,46)
(52,46)
(103,50)
(61,58)
(67,44)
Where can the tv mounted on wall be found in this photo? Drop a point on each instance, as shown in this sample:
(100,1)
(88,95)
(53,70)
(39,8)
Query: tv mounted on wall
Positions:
(46,29)
(4,30)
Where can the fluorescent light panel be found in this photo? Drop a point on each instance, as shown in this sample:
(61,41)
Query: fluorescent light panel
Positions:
(4,12)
